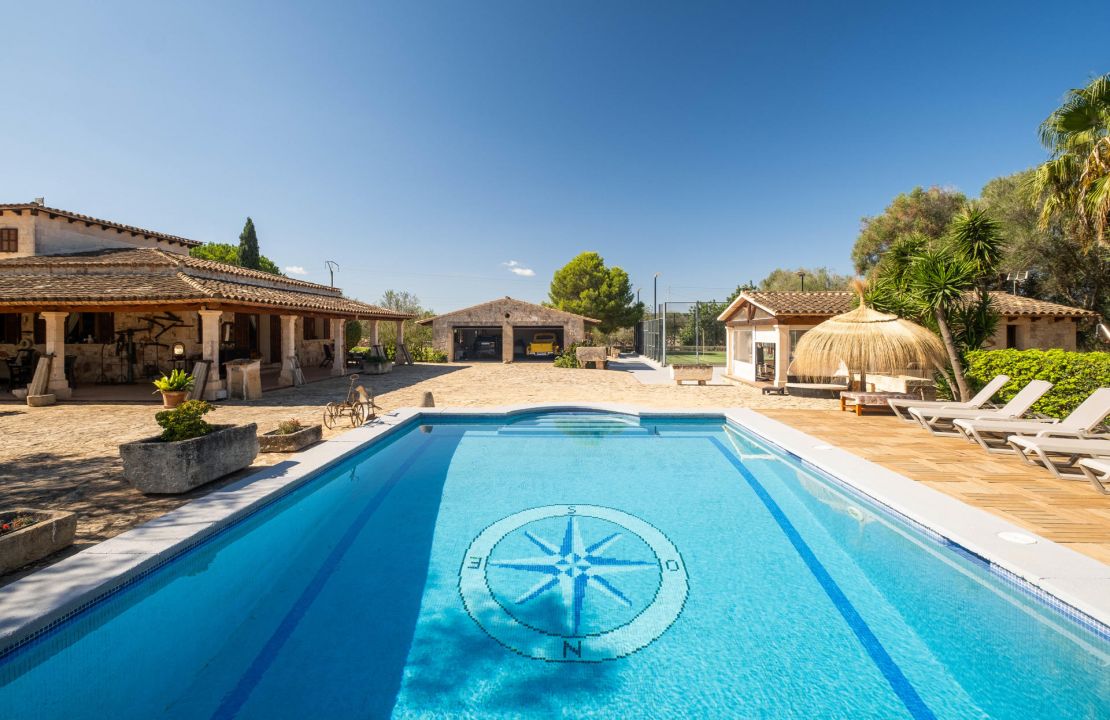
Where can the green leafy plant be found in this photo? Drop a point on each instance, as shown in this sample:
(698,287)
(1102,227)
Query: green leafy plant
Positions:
(568,358)
(1074,375)
(290,426)
(176,381)
(184,422)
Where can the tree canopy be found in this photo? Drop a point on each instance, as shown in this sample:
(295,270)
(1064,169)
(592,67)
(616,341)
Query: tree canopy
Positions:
(587,287)
(249,256)
(924,211)
(1075,181)
(821,278)
(226,253)
(1062,268)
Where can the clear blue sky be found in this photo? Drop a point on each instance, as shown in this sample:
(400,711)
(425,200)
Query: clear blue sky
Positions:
(424,146)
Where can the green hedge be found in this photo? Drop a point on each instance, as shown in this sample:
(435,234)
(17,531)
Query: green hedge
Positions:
(1074,375)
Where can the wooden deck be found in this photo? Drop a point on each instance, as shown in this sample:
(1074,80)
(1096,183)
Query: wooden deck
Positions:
(1066,511)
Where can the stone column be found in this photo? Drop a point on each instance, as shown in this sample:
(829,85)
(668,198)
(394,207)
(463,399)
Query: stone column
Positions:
(264,338)
(56,346)
(400,332)
(339,349)
(506,343)
(210,351)
(288,348)
(374,333)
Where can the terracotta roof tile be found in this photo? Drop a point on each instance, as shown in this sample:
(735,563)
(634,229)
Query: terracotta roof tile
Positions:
(829,303)
(788,302)
(150,275)
(1015,305)
(35,208)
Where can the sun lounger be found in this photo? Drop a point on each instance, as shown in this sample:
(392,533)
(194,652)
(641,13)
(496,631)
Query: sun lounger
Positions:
(1059,455)
(939,420)
(901,406)
(1081,422)
(1097,471)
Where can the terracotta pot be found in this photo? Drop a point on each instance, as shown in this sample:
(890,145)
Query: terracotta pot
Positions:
(173,398)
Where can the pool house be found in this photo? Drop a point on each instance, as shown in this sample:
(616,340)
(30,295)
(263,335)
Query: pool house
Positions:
(123,304)
(763,327)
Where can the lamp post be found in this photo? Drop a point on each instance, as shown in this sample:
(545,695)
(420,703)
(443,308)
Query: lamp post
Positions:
(802,275)
(655,295)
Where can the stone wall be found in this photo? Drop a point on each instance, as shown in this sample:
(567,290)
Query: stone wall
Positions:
(1046,333)
(42,235)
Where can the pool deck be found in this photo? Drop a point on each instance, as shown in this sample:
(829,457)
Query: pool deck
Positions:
(1068,512)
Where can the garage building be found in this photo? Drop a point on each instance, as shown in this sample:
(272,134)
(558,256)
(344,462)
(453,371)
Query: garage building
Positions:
(502,329)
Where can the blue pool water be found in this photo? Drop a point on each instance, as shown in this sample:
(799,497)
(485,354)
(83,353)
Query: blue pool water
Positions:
(566,565)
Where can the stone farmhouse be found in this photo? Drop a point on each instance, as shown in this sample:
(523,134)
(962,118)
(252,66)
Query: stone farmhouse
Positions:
(118,304)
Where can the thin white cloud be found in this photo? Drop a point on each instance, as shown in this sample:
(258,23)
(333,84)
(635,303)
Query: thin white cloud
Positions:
(517,269)
(296,270)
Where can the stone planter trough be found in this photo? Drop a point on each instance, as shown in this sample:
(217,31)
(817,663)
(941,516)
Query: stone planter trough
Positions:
(377,367)
(698,373)
(290,442)
(168,468)
(52,531)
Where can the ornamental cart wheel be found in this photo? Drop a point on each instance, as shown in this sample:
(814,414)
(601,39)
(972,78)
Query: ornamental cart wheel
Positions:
(358,414)
(331,413)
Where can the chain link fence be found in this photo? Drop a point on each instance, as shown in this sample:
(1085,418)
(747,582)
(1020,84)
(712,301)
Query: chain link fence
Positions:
(684,333)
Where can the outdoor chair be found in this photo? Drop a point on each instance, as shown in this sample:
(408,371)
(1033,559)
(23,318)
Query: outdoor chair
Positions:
(992,435)
(901,406)
(939,421)
(329,357)
(1097,471)
(1059,455)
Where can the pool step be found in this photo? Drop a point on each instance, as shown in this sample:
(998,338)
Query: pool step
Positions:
(571,424)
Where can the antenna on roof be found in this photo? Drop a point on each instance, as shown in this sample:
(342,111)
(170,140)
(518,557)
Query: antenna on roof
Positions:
(1016,277)
(332,266)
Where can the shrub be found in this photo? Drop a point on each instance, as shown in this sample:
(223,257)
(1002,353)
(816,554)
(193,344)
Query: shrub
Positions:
(568,358)
(290,426)
(185,421)
(352,334)
(423,353)
(176,381)
(1074,375)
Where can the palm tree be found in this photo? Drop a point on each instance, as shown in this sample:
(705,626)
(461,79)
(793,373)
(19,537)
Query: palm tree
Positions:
(945,285)
(1076,178)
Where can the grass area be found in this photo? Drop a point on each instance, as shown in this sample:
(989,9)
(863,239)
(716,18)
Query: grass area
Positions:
(688,358)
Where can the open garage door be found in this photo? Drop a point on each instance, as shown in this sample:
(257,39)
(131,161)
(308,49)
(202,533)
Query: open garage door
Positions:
(476,343)
(537,343)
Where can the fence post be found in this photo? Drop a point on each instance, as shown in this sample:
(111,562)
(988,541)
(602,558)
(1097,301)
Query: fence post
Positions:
(663,339)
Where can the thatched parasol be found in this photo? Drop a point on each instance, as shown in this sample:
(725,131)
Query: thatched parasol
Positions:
(866,340)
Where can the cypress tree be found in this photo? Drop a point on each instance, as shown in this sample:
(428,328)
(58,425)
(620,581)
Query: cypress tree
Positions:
(249,256)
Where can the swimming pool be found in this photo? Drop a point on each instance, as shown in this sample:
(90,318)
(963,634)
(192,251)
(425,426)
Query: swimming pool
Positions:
(566,564)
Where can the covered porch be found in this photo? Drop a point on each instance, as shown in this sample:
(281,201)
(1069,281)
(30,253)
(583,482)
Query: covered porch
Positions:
(112,353)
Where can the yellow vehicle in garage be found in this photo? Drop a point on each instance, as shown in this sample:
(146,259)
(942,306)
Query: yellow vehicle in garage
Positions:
(543,343)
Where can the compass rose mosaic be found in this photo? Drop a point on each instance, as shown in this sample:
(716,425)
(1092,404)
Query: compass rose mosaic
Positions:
(573,583)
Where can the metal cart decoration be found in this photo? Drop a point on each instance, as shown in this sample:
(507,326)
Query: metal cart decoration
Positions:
(357,408)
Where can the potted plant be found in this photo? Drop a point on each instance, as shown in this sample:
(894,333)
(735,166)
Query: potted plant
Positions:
(290,436)
(190,452)
(28,535)
(174,387)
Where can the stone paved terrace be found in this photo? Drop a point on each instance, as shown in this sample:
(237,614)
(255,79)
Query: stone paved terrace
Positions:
(66,456)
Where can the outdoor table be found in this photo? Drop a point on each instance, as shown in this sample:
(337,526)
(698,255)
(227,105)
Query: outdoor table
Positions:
(859,399)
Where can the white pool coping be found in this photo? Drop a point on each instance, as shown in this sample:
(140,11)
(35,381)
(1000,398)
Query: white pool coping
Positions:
(49,596)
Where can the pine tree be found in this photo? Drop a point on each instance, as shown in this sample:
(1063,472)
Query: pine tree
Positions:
(249,256)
